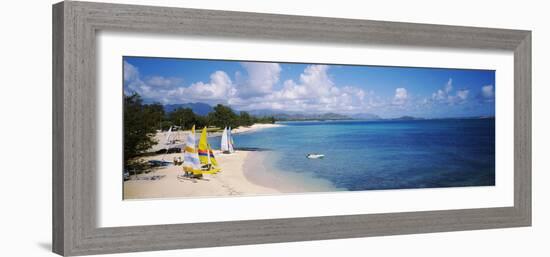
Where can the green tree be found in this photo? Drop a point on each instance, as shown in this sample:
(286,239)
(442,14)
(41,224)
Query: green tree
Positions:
(165,124)
(153,115)
(140,124)
(245,119)
(202,121)
(184,117)
(223,116)
(265,119)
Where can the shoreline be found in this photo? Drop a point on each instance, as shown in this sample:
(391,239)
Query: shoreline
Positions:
(243,173)
(255,127)
(252,128)
(179,136)
(231,181)
(259,168)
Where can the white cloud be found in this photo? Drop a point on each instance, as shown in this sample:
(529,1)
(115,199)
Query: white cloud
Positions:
(439,95)
(400,96)
(445,96)
(316,80)
(314,83)
(130,72)
(260,80)
(170,90)
(159,81)
(220,89)
(314,92)
(449,86)
(488,91)
(132,80)
(462,94)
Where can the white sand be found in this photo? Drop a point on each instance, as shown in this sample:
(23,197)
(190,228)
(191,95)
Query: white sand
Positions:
(255,127)
(259,169)
(243,173)
(178,137)
(230,181)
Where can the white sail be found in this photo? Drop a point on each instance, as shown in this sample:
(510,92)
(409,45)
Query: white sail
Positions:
(167,142)
(230,143)
(224,144)
(191,155)
(168,135)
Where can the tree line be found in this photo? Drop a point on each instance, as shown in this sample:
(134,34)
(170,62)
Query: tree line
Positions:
(141,122)
(222,116)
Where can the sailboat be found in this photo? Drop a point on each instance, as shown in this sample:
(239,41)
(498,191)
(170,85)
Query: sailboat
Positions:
(230,141)
(168,144)
(227,141)
(168,135)
(191,162)
(206,155)
(224,147)
(315,156)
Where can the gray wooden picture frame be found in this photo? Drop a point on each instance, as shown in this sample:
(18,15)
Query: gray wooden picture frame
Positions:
(75,25)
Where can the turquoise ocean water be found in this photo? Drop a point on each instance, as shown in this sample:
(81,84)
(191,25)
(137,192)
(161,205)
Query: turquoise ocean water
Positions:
(369,155)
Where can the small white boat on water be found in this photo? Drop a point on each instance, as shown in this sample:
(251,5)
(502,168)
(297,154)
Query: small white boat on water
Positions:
(315,156)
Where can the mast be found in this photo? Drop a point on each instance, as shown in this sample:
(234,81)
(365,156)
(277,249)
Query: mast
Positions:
(230,143)
(224,147)
(190,155)
(167,143)
(206,155)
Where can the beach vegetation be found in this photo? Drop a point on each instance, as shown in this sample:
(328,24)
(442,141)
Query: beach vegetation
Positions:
(153,114)
(183,117)
(245,119)
(264,120)
(141,122)
(223,116)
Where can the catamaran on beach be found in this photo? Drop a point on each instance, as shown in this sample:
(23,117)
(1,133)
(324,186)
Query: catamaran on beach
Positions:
(199,160)
(329,127)
(208,174)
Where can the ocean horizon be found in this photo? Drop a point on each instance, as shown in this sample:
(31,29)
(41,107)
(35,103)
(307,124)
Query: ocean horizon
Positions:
(381,154)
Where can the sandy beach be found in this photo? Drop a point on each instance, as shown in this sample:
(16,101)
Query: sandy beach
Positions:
(243,173)
(179,136)
(254,127)
(230,181)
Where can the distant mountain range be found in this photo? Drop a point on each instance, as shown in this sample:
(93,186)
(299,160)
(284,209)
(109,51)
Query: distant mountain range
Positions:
(204,108)
(365,116)
(318,116)
(407,118)
(300,116)
(198,108)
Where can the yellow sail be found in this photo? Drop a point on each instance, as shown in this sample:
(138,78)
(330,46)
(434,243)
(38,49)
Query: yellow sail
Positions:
(212,158)
(203,147)
(206,155)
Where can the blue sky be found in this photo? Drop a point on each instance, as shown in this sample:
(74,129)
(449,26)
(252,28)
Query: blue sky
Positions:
(313,88)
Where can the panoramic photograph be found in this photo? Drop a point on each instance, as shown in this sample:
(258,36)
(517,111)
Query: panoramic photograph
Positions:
(218,128)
